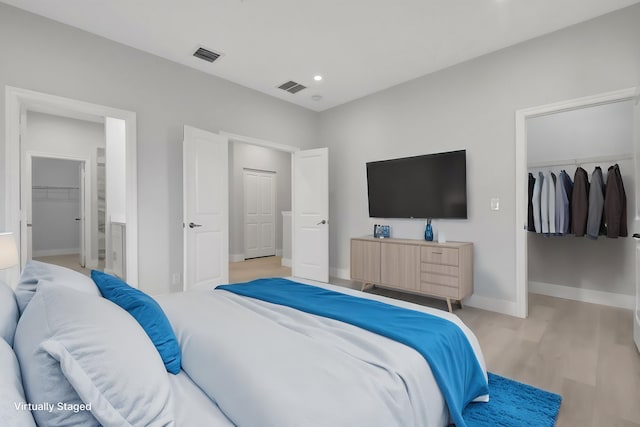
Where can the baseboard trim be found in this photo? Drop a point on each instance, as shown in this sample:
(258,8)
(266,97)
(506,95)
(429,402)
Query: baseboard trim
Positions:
(584,295)
(278,252)
(54,252)
(340,273)
(236,257)
(286,262)
(492,304)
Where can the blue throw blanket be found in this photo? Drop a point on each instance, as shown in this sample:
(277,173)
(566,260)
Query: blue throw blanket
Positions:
(441,342)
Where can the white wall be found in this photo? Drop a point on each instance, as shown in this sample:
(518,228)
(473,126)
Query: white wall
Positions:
(249,156)
(54,58)
(603,130)
(69,137)
(54,228)
(472,106)
(116,188)
(606,265)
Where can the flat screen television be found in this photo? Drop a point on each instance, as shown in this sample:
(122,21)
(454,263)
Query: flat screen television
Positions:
(429,186)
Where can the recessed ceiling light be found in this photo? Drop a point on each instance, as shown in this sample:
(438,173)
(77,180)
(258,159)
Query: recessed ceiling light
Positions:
(317,77)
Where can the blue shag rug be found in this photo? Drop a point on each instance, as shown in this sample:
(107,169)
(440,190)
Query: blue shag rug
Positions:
(513,404)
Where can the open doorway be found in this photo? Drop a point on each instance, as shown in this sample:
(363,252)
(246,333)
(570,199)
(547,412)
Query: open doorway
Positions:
(62,185)
(59,229)
(118,128)
(259,211)
(580,289)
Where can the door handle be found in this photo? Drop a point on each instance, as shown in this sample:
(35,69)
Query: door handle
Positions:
(194,225)
(323,222)
(78,219)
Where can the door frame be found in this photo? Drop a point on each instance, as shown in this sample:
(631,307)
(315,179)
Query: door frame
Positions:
(521,116)
(274,195)
(27,195)
(232,137)
(17,102)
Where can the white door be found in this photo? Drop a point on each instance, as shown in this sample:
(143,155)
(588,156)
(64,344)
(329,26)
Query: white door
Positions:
(311,214)
(206,208)
(81,217)
(259,213)
(636,222)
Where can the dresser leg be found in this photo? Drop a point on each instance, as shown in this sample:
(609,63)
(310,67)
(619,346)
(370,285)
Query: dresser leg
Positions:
(449,305)
(460,302)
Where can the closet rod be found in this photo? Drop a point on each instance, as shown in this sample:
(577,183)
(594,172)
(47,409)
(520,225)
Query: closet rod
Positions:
(585,160)
(46,187)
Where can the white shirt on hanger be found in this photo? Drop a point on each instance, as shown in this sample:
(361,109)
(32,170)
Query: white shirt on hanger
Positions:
(544,203)
(552,201)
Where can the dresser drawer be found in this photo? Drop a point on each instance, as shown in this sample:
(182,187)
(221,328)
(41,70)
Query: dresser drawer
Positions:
(439,290)
(435,255)
(447,270)
(440,279)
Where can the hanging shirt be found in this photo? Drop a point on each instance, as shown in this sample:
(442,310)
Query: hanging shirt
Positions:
(530,221)
(544,203)
(579,202)
(596,204)
(567,184)
(552,202)
(535,201)
(562,205)
(615,204)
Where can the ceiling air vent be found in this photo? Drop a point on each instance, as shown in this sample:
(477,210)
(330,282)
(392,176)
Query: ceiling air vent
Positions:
(206,54)
(292,87)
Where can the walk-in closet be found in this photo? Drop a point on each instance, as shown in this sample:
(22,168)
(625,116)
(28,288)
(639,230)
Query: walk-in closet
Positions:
(584,250)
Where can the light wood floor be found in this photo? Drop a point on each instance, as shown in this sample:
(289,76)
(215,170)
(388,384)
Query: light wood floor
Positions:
(256,268)
(584,352)
(69,261)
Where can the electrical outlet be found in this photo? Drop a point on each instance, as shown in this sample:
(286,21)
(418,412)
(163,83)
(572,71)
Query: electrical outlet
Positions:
(495,204)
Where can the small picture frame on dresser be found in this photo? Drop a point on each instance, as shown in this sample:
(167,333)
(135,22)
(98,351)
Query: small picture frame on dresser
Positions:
(381,231)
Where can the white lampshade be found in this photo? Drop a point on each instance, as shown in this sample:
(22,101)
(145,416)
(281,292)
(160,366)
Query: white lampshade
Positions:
(8,251)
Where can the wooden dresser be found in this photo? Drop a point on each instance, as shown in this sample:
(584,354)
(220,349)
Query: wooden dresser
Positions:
(442,270)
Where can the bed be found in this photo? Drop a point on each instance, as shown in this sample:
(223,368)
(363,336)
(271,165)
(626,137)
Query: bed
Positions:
(243,360)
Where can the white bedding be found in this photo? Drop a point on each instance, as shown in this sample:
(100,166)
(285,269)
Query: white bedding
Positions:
(193,407)
(270,365)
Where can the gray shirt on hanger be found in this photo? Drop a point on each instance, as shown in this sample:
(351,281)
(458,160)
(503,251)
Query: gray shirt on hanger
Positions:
(596,204)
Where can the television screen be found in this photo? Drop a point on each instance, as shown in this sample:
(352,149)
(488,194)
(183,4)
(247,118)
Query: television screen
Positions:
(429,186)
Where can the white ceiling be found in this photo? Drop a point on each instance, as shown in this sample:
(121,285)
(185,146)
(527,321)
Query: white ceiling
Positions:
(358,46)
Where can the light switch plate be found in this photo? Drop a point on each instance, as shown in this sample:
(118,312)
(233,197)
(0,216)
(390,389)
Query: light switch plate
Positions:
(495,204)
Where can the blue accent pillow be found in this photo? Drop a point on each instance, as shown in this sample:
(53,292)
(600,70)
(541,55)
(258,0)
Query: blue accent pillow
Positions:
(148,314)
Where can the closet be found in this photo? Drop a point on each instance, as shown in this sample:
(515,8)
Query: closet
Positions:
(559,262)
(55,207)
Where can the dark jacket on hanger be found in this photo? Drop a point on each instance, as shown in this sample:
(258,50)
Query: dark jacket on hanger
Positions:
(530,224)
(596,205)
(579,202)
(568,188)
(615,204)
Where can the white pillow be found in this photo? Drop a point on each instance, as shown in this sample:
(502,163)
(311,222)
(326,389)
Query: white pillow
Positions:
(13,408)
(78,348)
(35,271)
(8,313)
